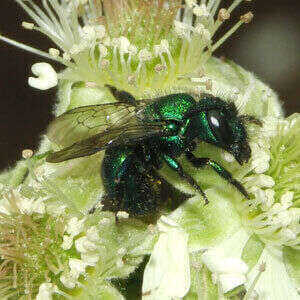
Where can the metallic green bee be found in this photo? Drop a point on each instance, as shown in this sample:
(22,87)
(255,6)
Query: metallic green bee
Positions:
(138,136)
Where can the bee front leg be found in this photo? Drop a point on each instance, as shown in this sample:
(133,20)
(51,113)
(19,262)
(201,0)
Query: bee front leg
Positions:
(174,164)
(202,162)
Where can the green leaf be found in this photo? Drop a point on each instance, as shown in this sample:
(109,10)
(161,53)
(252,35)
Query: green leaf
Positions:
(252,251)
(291,258)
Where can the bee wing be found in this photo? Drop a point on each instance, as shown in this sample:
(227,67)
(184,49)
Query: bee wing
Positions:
(128,134)
(86,121)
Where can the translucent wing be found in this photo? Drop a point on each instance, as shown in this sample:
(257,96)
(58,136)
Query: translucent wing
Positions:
(112,137)
(86,121)
(89,129)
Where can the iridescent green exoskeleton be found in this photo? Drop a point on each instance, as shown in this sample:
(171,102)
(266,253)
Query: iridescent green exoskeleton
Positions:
(138,136)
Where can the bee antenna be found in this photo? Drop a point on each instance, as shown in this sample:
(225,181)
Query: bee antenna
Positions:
(251,119)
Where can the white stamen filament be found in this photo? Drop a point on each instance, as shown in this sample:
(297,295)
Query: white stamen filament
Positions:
(227,35)
(33,50)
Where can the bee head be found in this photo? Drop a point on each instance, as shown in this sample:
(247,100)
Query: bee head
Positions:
(222,126)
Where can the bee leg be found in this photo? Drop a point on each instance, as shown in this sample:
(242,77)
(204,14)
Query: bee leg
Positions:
(202,162)
(174,164)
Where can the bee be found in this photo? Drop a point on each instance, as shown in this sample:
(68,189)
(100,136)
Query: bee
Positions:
(139,136)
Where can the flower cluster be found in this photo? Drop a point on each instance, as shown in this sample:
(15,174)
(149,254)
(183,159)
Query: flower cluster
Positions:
(51,246)
(273,212)
(170,40)
(45,250)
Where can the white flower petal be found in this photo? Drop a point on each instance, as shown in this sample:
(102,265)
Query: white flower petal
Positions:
(5,207)
(93,234)
(274,283)
(77,267)
(287,199)
(75,226)
(90,259)
(260,180)
(228,282)
(68,280)
(84,245)
(67,242)
(47,77)
(218,263)
(45,291)
(167,274)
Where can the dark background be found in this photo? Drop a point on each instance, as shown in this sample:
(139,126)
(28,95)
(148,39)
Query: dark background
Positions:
(269,46)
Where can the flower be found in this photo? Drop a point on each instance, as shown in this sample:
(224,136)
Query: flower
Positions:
(261,231)
(50,245)
(46,252)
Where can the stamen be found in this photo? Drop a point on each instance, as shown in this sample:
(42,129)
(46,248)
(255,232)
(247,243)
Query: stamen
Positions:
(103,53)
(132,52)
(123,45)
(201,11)
(144,55)
(33,50)
(262,268)
(244,19)
(215,7)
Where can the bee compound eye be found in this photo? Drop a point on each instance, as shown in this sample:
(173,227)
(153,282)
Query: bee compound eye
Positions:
(219,126)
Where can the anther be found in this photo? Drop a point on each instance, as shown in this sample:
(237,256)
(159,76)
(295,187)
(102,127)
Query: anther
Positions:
(159,68)
(27,25)
(27,153)
(223,15)
(201,11)
(247,18)
(54,52)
